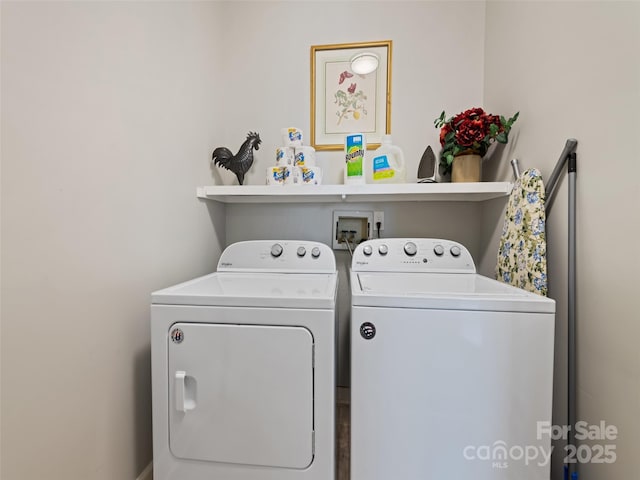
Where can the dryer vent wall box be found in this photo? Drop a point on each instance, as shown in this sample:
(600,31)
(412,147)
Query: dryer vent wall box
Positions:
(444,362)
(227,403)
(353,227)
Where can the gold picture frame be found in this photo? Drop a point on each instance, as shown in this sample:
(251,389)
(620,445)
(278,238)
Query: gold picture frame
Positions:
(343,102)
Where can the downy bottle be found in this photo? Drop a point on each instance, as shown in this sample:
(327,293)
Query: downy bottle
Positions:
(386,164)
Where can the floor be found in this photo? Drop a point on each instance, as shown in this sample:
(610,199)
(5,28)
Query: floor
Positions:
(343,430)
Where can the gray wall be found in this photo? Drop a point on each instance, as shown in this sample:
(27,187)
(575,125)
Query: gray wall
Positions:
(572,70)
(269,63)
(267,71)
(107,115)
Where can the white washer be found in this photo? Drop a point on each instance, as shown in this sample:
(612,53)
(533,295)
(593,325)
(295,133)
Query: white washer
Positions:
(450,371)
(243,369)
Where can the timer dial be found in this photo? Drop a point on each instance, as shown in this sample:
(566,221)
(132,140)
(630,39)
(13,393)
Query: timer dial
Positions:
(276,250)
(410,249)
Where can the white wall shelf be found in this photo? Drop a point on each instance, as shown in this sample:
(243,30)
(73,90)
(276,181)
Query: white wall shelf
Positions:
(407,192)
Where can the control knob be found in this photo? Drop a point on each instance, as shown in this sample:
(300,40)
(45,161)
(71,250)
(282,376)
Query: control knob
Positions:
(301,251)
(367,250)
(276,250)
(438,250)
(410,249)
(315,252)
(383,249)
(455,251)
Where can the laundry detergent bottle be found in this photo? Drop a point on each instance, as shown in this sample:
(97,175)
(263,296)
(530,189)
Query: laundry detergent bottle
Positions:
(386,164)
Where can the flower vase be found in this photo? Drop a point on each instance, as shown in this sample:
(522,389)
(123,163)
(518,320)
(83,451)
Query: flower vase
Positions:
(467,168)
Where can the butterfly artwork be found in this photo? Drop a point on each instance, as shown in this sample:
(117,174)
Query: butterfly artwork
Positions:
(351,100)
(344,75)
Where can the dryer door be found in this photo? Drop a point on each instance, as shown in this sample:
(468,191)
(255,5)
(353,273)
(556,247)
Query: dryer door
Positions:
(241,394)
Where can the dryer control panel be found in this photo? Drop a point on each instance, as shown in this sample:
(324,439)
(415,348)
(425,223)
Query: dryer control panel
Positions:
(429,255)
(278,256)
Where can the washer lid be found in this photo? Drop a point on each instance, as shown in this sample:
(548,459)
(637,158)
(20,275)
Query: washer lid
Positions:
(238,289)
(443,291)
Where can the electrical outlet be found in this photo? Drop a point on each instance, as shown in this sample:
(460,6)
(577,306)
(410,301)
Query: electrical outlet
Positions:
(353,227)
(378,217)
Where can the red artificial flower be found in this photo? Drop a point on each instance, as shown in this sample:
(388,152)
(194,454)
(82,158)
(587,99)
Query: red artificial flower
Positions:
(470,132)
(470,114)
(494,120)
(352,88)
(444,132)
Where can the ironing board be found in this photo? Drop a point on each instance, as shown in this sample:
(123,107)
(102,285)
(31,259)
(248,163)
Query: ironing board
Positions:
(522,256)
(568,157)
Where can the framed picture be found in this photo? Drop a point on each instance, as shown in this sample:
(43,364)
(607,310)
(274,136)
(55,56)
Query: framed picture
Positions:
(345,102)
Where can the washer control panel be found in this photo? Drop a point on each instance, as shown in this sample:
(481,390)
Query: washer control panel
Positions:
(285,256)
(432,255)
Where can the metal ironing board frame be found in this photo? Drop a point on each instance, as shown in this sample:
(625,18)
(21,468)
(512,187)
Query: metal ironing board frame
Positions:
(568,158)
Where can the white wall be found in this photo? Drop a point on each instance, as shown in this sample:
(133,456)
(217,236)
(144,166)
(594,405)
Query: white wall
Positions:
(572,70)
(267,75)
(267,69)
(108,113)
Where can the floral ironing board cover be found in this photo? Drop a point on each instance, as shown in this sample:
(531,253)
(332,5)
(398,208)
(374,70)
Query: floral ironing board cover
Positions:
(522,256)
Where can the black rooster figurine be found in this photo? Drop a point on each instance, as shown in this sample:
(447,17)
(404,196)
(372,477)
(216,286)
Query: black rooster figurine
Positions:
(242,161)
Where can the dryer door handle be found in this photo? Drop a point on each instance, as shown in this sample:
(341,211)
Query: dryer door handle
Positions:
(186,390)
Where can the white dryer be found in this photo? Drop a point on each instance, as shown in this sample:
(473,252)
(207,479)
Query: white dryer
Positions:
(243,369)
(450,371)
